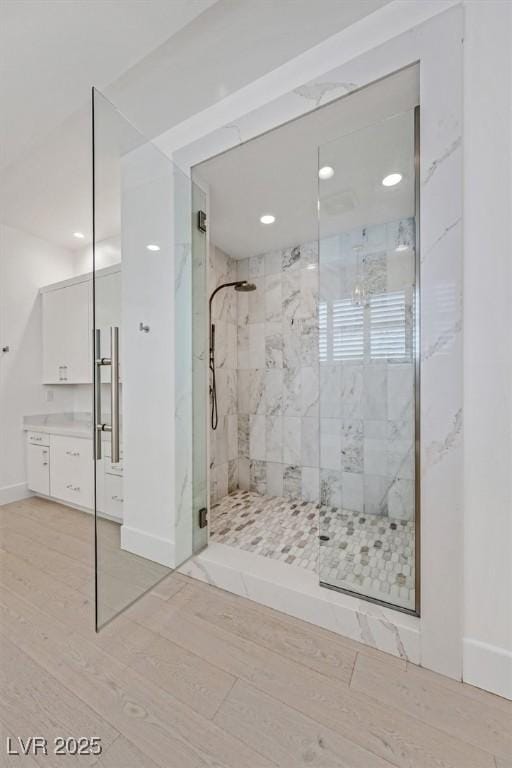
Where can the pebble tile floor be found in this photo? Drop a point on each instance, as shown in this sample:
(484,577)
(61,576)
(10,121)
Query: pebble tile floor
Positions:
(367,554)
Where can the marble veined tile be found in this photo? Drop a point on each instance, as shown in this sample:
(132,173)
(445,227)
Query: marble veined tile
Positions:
(273,345)
(351,445)
(257,442)
(291,440)
(273,391)
(273,298)
(257,391)
(274,439)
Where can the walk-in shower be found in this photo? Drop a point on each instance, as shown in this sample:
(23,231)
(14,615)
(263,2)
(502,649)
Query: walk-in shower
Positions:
(242,286)
(314,361)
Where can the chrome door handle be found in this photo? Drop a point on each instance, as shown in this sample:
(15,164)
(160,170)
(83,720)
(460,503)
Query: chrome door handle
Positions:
(113,361)
(98,362)
(114,393)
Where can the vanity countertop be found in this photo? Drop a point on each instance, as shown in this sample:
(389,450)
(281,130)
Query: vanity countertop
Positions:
(68,424)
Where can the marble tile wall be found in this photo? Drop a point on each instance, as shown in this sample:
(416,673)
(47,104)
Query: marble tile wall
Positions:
(366,301)
(278,395)
(223,451)
(302,411)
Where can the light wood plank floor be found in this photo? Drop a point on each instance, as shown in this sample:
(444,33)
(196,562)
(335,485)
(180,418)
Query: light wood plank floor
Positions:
(191,676)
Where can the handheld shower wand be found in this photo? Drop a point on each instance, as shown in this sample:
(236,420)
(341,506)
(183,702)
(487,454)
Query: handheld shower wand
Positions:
(238,285)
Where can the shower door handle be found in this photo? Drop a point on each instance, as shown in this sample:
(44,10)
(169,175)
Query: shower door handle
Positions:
(113,361)
(114,393)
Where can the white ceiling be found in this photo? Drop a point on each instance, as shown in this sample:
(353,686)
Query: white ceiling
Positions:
(159,61)
(54,50)
(278,172)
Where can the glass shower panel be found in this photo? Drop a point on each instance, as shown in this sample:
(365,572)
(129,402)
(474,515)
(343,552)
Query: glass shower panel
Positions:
(147,496)
(368,323)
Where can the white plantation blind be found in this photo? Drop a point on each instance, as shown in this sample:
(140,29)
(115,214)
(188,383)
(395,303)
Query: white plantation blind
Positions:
(341,330)
(387,326)
(322,332)
(347,330)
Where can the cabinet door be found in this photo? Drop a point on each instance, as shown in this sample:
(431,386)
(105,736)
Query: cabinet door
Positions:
(72,470)
(66,335)
(38,468)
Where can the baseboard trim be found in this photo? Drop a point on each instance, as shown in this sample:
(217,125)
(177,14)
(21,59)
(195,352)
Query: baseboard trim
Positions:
(145,545)
(488,667)
(10,493)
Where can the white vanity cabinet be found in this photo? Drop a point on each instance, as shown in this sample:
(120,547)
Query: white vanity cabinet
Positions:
(61,467)
(67,337)
(38,463)
(71,470)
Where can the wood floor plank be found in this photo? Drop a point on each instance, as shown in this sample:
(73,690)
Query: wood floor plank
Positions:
(433,679)
(159,724)
(388,733)
(447,709)
(44,536)
(286,735)
(184,675)
(123,754)
(61,567)
(60,601)
(297,641)
(57,517)
(33,702)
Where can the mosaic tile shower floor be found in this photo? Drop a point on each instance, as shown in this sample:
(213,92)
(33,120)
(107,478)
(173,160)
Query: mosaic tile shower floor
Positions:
(369,554)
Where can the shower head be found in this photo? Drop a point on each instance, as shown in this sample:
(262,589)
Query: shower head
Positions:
(243,286)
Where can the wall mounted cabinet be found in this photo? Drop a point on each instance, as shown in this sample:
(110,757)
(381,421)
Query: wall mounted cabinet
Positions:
(66,335)
(67,324)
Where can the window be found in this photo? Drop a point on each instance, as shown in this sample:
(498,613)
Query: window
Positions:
(387,326)
(347,331)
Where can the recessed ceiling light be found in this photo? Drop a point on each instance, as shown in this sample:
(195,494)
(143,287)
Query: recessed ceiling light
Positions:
(80,235)
(391,179)
(311,266)
(326,172)
(267,218)
(402,247)
(153,247)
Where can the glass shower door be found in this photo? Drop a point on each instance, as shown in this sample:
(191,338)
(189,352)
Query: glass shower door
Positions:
(150,485)
(369,364)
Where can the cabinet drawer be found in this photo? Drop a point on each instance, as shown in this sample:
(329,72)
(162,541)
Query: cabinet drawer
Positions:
(38,438)
(38,469)
(72,470)
(113,496)
(72,492)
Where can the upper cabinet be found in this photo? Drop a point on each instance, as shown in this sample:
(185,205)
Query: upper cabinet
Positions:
(67,325)
(66,335)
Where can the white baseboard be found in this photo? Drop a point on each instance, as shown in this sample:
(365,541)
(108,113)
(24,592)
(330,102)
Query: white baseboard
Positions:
(10,493)
(488,667)
(145,545)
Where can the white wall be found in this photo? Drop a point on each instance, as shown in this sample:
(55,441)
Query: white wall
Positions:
(487,345)
(26,264)
(108,253)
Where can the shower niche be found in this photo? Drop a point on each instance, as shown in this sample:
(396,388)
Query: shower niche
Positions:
(313,378)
